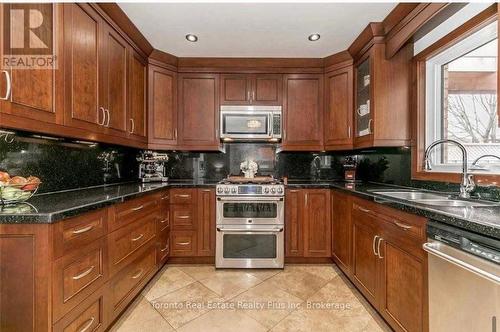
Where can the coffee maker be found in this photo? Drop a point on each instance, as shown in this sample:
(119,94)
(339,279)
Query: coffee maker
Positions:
(152,166)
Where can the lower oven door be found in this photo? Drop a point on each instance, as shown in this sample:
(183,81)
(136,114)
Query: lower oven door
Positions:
(246,246)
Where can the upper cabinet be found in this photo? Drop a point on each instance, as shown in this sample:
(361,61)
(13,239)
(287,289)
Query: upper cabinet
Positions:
(251,89)
(137,114)
(199,111)
(34,94)
(162,101)
(382,98)
(339,109)
(303,112)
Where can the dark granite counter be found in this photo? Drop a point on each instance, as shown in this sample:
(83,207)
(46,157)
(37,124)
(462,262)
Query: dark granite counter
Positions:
(482,220)
(49,208)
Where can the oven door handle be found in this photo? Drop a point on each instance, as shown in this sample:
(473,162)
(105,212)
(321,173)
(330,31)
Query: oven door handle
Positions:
(255,230)
(240,199)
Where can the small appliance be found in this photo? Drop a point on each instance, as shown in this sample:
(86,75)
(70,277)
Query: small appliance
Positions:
(152,166)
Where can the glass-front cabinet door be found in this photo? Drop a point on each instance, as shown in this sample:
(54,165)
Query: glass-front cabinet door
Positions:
(363,111)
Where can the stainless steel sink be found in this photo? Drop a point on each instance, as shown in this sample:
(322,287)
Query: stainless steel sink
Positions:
(433,199)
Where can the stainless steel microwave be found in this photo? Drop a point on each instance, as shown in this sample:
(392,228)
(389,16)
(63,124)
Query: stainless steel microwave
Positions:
(250,123)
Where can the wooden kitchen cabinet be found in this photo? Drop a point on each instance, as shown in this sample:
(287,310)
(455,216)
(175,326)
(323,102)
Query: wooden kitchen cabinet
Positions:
(251,89)
(341,230)
(35,94)
(137,94)
(162,101)
(307,223)
(199,111)
(389,264)
(339,116)
(303,112)
(382,98)
(206,206)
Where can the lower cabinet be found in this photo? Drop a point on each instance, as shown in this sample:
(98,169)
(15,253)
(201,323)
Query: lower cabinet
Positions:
(307,223)
(341,230)
(389,265)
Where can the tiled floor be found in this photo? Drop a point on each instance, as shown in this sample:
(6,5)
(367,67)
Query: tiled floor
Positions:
(299,298)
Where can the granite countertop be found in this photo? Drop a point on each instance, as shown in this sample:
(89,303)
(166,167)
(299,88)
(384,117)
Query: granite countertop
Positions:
(482,220)
(49,208)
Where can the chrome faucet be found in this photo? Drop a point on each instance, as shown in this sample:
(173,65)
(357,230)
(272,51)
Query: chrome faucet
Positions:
(474,163)
(467,185)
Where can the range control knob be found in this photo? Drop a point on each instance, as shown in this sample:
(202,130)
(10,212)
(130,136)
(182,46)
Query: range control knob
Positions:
(233,190)
(280,190)
(266,190)
(273,190)
(226,190)
(220,190)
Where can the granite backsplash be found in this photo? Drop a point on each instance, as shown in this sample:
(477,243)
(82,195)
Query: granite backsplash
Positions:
(67,164)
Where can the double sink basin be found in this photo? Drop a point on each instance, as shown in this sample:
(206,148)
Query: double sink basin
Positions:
(432,199)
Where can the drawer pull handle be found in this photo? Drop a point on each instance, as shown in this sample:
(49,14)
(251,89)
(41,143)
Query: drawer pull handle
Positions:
(164,249)
(138,208)
(138,274)
(363,209)
(182,217)
(83,274)
(403,226)
(83,230)
(184,243)
(164,198)
(137,238)
(183,196)
(88,325)
(164,221)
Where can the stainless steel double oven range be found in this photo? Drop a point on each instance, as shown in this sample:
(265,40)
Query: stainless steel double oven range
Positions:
(250,225)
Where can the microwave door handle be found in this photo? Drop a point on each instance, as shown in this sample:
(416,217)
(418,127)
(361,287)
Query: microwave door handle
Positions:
(270,125)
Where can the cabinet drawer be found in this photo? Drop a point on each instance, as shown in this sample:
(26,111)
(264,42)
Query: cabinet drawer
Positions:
(163,222)
(182,217)
(124,285)
(74,233)
(182,196)
(90,315)
(125,241)
(130,211)
(77,275)
(183,243)
(163,248)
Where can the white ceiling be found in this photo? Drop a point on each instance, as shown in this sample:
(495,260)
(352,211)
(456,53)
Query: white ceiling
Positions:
(253,29)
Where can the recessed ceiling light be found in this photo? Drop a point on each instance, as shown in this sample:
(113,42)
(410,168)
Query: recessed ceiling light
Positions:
(192,38)
(314,37)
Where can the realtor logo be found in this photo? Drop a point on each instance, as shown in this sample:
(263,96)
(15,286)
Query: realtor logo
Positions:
(28,36)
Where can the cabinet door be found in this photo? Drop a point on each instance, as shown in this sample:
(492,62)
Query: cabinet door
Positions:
(303,112)
(82,42)
(339,110)
(294,239)
(317,223)
(35,93)
(267,89)
(206,222)
(364,108)
(365,262)
(402,286)
(235,89)
(162,107)
(198,111)
(341,230)
(115,87)
(137,97)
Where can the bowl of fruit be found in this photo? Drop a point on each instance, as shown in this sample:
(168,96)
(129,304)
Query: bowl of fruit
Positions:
(17,188)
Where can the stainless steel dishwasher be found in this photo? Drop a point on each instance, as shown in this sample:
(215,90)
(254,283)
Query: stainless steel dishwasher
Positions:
(464,280)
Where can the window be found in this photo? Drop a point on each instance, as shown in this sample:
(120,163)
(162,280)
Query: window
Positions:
(461,101)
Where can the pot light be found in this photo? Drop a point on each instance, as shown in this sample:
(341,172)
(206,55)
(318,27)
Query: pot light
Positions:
(314,37)
(192,38)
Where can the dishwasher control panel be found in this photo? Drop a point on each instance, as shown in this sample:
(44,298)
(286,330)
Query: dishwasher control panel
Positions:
(475,244)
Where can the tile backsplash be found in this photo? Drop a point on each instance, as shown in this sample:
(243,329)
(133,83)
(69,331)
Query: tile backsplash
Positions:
(64,164)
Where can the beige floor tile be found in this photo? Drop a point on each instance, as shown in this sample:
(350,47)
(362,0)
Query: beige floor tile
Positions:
(221,321)
(167,281)
(297,282)
(264,274)
(141,317)
(228,285)
(327,272)
(273,304)
(199,272)
(185,304)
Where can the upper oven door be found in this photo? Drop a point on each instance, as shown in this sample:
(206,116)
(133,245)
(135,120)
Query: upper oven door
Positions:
(246,124)
(250,210)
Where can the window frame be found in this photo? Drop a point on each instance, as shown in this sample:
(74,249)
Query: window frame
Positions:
(420,74)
